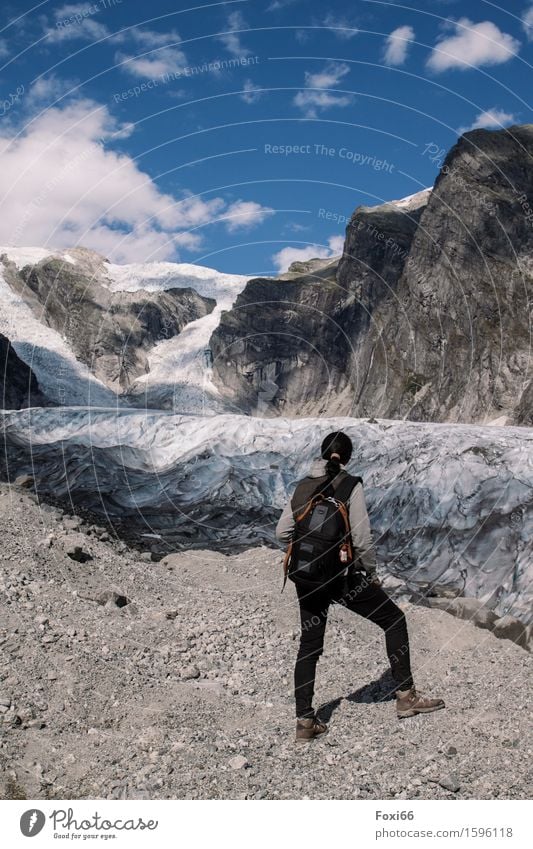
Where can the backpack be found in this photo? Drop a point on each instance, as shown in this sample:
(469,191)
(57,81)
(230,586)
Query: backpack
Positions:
(321,547)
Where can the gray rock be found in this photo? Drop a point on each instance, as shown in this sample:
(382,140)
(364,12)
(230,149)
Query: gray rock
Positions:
(72,523)
(509,628)
(75,547)
(472,609)
(24,480)
(189,673)
(18,385)
(450,782)
(238,762)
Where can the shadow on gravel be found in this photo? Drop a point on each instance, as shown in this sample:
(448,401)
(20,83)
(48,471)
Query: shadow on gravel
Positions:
(380,690)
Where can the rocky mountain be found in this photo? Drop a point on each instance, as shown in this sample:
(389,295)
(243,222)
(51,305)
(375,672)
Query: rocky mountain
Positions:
(18,384)
(427,315)
(110,332)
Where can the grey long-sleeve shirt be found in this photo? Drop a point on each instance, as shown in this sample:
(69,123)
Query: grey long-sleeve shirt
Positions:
(359,522)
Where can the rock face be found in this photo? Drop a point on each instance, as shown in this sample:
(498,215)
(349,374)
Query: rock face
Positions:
(110,332)
(427,315)
(291,345)
(460,348)
(18,384)
(282,346)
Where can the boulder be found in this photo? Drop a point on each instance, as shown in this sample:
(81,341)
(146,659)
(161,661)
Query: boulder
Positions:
(509,628)
(75,547)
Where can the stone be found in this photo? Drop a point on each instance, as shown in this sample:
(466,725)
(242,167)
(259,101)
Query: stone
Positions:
(24,481)
(509,628)
(238,762)
(189,673)
(74,546)
(72,523)
(450,782)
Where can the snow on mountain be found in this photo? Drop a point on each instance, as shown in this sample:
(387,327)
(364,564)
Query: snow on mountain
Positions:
(451,504)
(31,256)
(61,377)
(181,367)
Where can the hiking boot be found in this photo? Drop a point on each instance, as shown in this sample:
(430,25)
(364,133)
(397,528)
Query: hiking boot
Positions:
(409,703)
(308,728)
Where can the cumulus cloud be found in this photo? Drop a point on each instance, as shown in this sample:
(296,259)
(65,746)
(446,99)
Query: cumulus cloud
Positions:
(75,21)
(341,27)
(156,53)
(397,45)
(283,258)
(490,119)
(162,55)
(244,214)
(472,45)
(63,185)
(171,61)
(251,93)
(527,22)
(311,101)
(232,40)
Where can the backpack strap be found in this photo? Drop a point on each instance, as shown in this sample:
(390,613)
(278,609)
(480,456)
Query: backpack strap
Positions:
(341,492)
(344,488)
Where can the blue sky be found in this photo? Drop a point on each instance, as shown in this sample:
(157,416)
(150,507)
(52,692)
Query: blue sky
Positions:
(240,135)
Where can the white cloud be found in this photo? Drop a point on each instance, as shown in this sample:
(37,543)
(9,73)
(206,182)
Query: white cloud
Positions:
(473,45)
(283,258)
(150,39)
(279,4)
(336,244)
(162,48)
(171,61)
(62,185)
(329,76)
(4,49)
(163,56)
(76,21)
(340,27)
(527,23)
(311,101)
(490,119)
(244,214)
(231,40)
(397,45)
(251,93)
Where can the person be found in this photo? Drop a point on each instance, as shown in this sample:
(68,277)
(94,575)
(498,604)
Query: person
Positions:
(361,593)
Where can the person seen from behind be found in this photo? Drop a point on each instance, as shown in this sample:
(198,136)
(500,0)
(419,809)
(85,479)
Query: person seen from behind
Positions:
(330,559)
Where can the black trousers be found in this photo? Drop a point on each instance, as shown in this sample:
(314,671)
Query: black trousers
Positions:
(368,600)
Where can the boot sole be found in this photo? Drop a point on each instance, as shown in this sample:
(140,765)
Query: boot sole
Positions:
(405,713)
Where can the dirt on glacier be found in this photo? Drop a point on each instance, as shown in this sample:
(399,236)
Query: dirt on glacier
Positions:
(127,679)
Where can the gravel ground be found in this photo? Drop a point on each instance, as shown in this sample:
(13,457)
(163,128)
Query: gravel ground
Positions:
(121,678)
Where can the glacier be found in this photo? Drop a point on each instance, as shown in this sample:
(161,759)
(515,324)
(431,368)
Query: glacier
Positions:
(180,373)
(449,504)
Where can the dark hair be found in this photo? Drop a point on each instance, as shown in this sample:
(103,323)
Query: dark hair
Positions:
(339,444)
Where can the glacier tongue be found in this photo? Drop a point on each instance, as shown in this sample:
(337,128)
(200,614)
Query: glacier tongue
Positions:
(180,368)
(451,504)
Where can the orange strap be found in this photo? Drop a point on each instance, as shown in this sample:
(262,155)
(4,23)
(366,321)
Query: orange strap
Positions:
(303,514)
